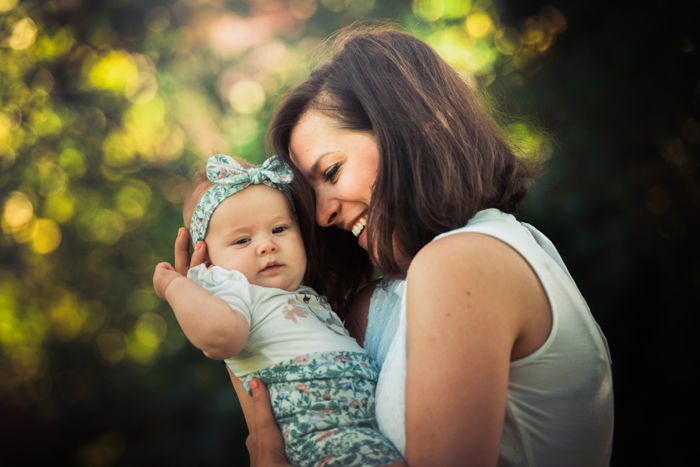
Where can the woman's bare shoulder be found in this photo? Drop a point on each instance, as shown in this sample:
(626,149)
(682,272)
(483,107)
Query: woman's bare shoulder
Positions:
(488,277)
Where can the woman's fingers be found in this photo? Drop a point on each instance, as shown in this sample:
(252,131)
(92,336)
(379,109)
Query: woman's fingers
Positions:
(200,254)
(265,443)
(182,251)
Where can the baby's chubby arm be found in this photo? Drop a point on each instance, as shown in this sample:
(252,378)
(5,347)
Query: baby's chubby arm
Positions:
(208,321)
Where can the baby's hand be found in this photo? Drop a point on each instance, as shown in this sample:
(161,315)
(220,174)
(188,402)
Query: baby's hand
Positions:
(162,277)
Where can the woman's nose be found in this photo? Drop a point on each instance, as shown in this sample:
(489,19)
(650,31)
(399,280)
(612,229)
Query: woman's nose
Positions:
(326,211)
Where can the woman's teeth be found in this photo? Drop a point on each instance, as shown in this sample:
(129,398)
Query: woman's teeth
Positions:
(359,226)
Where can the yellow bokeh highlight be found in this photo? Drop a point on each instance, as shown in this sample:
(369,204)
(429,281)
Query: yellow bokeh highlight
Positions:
(534,33)
(23,34)
(45,236)
(528,142)
(50,47)
(507,41)
(17,213)
(27,362)
(478,24)
(112,346)
(113,72)
(246,96)
(142,88)
(335,6)
(51,177)
(105,226)
(465,54)
(7,5)
(45,122)
(66,317)
(433,10)
(5,126)
(60,207)
(150,329)
(146,337)
(72,161)
(133,199)
(553,20)
(118,150)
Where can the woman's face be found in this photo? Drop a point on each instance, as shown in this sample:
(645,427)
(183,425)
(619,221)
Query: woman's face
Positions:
(341,165)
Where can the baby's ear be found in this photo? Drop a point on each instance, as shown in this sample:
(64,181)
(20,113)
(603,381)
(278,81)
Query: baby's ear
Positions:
(207,262)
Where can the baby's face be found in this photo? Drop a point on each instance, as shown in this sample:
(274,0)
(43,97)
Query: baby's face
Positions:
(256,233)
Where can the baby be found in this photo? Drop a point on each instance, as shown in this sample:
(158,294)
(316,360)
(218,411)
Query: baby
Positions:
(247,306)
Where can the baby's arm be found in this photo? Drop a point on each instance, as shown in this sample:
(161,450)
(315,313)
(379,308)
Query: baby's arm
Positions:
(208,321)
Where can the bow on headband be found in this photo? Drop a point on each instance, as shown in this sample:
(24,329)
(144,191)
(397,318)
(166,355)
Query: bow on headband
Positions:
(229,177)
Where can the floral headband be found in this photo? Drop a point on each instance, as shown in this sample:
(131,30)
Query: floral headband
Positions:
(229,177)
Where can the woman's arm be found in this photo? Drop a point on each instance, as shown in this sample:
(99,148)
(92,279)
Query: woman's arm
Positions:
(208,321)
(356,321)
(467,311)
(265,444)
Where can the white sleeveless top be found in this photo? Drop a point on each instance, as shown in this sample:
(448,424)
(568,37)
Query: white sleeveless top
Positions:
(559,409)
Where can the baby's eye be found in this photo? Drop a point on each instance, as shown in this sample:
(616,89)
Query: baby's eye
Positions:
(279,229)
(241,241)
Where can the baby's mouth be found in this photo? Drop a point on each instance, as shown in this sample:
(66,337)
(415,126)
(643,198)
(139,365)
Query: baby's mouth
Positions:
(271,266)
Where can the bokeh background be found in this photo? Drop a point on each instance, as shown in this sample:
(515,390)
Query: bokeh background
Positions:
(106,108)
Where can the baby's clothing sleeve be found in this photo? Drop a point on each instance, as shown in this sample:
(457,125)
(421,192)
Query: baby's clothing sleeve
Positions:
(230,286)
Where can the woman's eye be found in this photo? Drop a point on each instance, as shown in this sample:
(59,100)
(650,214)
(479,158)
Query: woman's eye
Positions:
(331,174)
(279,229)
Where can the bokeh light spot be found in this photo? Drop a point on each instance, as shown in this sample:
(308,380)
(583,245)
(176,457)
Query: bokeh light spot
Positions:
(106,226)
(360,7)
(335,6)
(303,9)
(132,199)
(23,34)
(7,5)
(553,20)
(158,19)
(507,41)
(528,142)
(46,236)
(18,211)
(246,96)
(66,317)
(478,24)
(113,71)
(60,207)
(72,161)
(111,344)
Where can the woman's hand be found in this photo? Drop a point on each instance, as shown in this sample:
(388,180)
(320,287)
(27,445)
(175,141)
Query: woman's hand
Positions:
(265,444)
(183,262)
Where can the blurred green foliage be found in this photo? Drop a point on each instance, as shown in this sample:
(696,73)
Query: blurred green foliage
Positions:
(107,108)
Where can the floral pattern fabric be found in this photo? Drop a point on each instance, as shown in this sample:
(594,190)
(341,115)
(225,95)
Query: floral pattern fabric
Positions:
(324,405)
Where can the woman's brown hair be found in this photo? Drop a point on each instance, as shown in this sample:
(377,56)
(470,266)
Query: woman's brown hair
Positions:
(442,157)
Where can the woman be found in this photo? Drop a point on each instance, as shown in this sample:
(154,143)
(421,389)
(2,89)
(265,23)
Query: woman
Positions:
(493,357)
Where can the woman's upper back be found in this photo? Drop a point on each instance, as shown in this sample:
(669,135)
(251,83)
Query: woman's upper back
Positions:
(559,400)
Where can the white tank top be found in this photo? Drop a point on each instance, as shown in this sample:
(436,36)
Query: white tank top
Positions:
(559,409)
